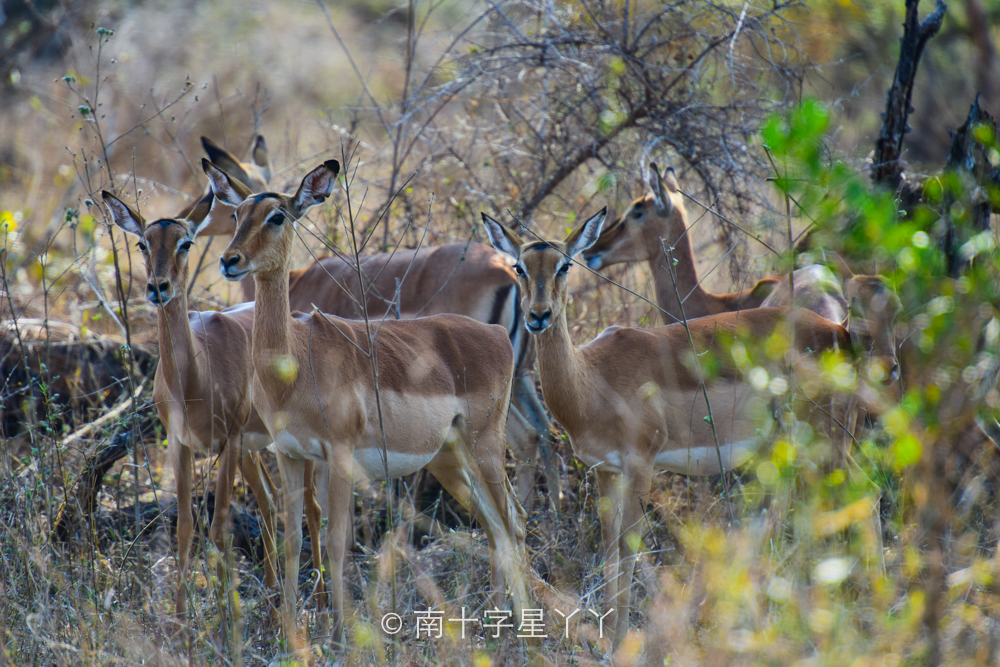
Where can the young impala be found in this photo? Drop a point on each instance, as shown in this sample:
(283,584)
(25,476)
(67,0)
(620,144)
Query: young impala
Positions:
(202,385)
(432,395)
(631,400)
(660,217)
(460,278)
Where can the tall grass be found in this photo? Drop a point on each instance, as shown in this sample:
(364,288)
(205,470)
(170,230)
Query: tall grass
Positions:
(885,557)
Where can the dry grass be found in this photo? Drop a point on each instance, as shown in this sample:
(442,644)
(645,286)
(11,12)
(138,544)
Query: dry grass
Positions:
(810,565)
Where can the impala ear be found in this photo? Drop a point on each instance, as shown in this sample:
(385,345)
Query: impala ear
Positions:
(197,211)
(198,225)
(225,188)
(664,206)
(316,186)
(224,160)
(586,234)
(262,158)
(502,238)
(124,217)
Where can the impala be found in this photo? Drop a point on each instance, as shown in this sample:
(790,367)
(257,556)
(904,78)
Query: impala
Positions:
(427,393)
(202,388)
(218,218)
(630,399)
(459,278)
(659,220)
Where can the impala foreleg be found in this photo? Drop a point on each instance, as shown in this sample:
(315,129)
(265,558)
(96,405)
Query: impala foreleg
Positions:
(339,494)
(525,399)
(611,511)
(314,520)
(523,443)
(292,480)
(185,521)
(638,479)
(223,500)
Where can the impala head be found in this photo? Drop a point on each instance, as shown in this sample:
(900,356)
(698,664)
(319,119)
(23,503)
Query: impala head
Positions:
(636,235)
(542,267)
(253,175)
(265,222)
(164,245)
(872,320)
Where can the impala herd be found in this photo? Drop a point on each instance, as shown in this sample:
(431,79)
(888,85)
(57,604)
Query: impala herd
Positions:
(421,359)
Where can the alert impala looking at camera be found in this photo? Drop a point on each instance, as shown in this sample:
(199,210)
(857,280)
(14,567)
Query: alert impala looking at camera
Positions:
(440,403)
(632,402)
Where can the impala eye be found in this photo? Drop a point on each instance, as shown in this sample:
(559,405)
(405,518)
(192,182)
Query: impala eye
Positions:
(277,219)
(565,267)
(518,270)
(142,247)
(184,247)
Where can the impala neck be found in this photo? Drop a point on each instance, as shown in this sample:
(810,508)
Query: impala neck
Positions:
(562,374)
(271,317)
(179,358)
(697,302)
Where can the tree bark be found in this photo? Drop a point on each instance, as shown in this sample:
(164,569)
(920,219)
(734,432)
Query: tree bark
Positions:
(887,168)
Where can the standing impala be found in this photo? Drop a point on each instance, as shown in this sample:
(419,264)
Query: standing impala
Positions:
(660,217)
(459,278)
(427,393)
(630,399)
(202,385)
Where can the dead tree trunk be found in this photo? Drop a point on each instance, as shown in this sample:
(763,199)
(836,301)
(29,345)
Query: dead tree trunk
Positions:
(887,168)
(969,159)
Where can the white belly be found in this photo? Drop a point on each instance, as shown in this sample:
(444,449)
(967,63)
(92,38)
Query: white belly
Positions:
(373,465)
(705,460)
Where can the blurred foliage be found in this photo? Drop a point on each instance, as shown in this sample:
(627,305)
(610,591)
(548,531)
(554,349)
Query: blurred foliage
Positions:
(883,553)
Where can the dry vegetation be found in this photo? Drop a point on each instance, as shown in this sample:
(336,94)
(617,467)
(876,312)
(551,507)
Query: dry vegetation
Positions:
(537,111)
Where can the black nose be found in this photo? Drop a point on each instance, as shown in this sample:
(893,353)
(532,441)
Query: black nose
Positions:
(538,322)
(157,291)
(229,263)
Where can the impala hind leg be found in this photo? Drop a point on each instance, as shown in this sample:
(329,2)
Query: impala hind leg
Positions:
(480,485)
(339,495)
(292,480)
(260,484)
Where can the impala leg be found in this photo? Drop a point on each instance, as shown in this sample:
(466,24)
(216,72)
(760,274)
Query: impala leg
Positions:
(523,442)
(314,520)
(341,462)
(525,399)
(637,482)
(223,501)
(253,472)
(611,511)
(185,524)
(481,486)
(292,479)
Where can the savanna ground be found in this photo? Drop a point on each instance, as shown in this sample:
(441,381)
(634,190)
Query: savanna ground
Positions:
(541,112)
